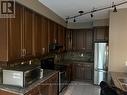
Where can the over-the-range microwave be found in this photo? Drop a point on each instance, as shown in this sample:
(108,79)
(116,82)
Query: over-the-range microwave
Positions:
(21,76)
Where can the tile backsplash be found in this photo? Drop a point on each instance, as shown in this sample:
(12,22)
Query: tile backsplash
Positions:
(79,56)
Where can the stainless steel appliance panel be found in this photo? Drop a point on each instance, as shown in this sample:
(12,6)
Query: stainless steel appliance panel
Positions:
(23,77)
(13,78)
(99,75)
(100,56)
(100,62)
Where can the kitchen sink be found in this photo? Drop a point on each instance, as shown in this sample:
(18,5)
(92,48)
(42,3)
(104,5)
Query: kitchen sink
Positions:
(123,80)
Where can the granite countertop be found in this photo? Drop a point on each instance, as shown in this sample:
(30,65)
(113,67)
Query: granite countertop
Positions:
(22,91)
(115,78)
(77,61)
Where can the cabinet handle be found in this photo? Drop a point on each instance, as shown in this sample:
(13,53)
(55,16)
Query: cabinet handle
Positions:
(23,52)
(43,50)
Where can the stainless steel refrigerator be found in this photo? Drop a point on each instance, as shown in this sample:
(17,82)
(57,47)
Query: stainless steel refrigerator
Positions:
(100,62)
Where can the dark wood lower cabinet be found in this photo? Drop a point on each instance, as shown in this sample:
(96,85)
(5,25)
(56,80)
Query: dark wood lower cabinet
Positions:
(82,71)
(48,87)
(69,72)
(44,88)
(53,85)
(6,93)
(34,91)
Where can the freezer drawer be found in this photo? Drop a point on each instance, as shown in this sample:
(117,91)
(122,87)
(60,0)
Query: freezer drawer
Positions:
(99,75)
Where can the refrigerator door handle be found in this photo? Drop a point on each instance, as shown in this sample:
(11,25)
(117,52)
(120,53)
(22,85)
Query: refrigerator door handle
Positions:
(97,69)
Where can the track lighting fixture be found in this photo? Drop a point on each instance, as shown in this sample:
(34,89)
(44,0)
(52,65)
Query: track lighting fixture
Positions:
(66,21)
(74,20)
(115,10)
(91,15)
(81,13)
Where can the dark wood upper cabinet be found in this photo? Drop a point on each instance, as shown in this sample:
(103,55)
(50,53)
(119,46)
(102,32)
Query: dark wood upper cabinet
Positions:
(27,33)
(15,35)
(37,35)
(74,40)
(44,35)
(55,35)
(50,32)
(83,39)
(10,35)
(61,36)
(101,33)
(3,39)
(68,39)
(89,40)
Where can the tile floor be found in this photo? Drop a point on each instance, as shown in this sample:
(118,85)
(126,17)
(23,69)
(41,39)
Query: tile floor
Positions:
(81,88)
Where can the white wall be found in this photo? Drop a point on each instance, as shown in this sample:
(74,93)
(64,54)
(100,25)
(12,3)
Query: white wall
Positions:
(118,41)
(40,8)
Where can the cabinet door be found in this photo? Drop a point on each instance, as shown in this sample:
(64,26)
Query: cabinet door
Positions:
(74,40)
(77,71)
(53,88)
(88,72)
(44,87)
(50,31)
(82,71)
(55,33)
(68,39)
(3,39)
(69,72)
(6,93)
(44,35)
(80,40)
(37,35)
(101,33)
(35,91)
(15,34)
(89,40)
(61,35)
(27,32)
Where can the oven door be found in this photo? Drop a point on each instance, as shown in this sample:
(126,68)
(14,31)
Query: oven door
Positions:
(31,76)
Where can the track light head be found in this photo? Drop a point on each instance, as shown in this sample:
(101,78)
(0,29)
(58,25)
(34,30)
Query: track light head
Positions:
(74,20)
(91,15)
(66,21)
(81,12)
(115,10)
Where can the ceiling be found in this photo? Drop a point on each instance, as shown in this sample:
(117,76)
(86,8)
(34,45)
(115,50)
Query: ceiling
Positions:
(65,8)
